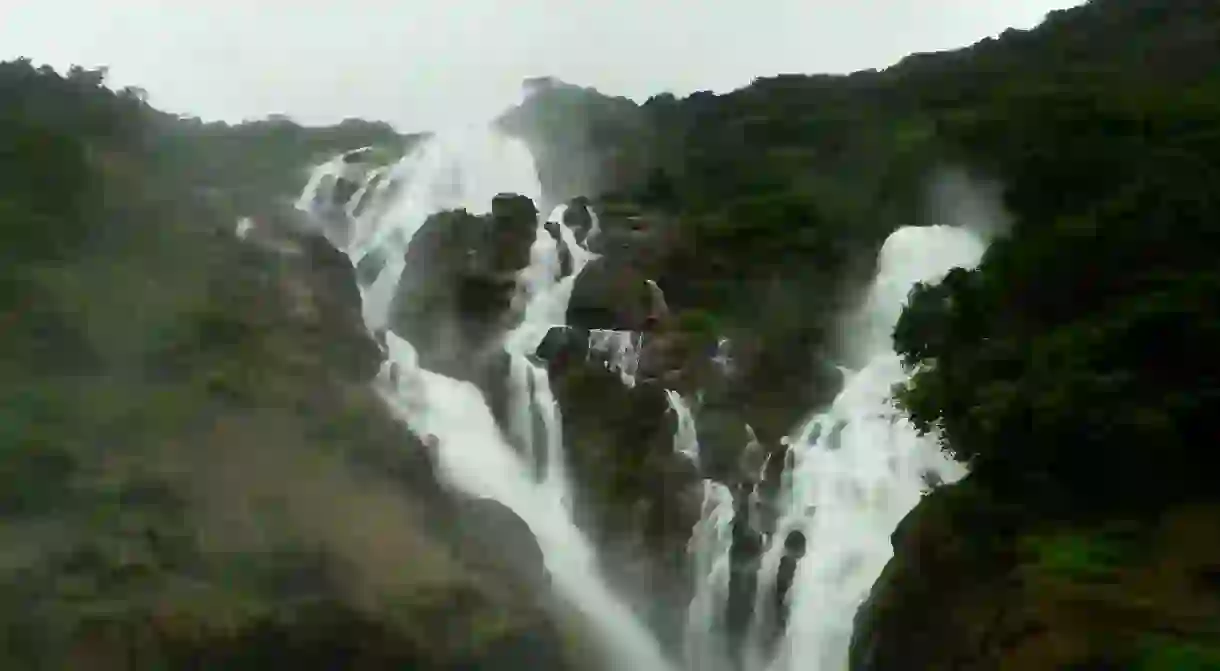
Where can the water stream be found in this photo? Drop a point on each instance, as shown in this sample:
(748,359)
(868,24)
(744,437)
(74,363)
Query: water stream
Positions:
(466,169)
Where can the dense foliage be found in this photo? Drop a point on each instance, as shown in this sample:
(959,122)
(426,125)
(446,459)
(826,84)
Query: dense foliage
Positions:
(1083,342)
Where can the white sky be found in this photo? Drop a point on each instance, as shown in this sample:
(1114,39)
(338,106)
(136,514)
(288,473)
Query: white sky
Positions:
(421,64)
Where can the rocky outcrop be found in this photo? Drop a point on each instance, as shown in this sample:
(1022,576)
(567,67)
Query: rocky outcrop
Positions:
(1013,590)
(613,292)
(609,296)
(636,496)
(459,282)
(261,509)
(564,347)
(497,540)
(579,218)
(582,141)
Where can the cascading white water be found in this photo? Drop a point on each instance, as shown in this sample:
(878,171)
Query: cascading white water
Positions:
(547,295)
(858,468)
(711,540)
(467,170)
(619,351)
(686,437)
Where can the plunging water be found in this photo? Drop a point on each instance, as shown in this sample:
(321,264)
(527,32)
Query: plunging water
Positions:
(467,170)
(709,550)
(859,467)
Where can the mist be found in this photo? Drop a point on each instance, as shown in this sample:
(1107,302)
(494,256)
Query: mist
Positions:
(429,65)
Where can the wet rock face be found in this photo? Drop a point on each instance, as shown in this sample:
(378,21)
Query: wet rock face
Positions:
(744,556)
(514,220)
(499,542)
(563,347)
(633,491)
(565,254)
(459,281)
(1015,591)
(612,293)
(578,218)
(794,550)
(610,296)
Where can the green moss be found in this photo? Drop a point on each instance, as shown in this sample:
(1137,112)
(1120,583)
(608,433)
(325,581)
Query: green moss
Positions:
(1162,653)
(1075,556)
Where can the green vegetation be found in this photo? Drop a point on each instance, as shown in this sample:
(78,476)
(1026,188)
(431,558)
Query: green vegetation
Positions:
(1168,654)
(1080,342)
(1073,370)
(170,420)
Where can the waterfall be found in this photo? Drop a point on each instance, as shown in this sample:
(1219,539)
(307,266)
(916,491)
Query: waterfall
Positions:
(618,350)
(686,438)
(858,468)
(710,543)
(467,170)
(547,295)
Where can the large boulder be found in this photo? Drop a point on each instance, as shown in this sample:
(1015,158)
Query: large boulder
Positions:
(563,346)
(610,295)
(514,221)
(613,292)
(638,497)
(498,541)
(579,218)
(458,285)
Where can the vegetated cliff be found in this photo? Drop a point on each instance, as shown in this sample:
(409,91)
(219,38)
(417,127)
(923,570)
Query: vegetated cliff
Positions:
(980,583)
(196,471)
(1073,371)
(760,209)
(755,213)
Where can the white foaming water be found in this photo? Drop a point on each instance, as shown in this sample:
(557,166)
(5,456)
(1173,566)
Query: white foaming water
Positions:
(686,437)
(619,351)
(723,358)
(468,170)
(547,295)
(857,468)
(595,228)
(709,547)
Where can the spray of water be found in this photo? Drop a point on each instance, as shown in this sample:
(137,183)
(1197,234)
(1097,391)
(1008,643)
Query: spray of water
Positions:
(686,437)
(709,550)
(467,169)
(619,351)
(858,468)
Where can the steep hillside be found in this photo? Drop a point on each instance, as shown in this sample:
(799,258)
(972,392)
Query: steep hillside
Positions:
(194,469)
(1070,365)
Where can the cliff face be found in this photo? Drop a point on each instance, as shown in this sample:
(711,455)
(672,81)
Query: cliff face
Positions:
(975,586)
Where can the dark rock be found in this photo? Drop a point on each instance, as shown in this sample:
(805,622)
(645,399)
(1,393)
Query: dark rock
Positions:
(722,438)
(609,296)
(344,190)
(744,553)
(322,284)
(514,221)
(565,254)
(563,346)
(638,496)
(370,267)
(501,542)
(578,218)
(794,550)
(459,281)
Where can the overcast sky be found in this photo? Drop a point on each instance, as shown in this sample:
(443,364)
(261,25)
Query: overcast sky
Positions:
(423,63)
